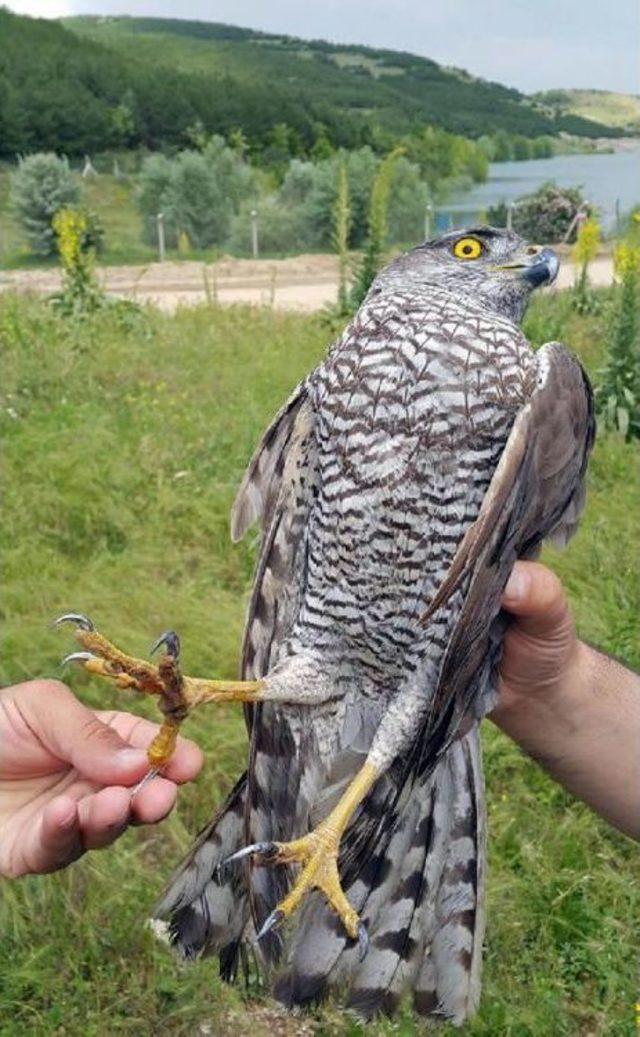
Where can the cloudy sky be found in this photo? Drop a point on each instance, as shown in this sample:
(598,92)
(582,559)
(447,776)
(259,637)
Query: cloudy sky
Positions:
(530,44)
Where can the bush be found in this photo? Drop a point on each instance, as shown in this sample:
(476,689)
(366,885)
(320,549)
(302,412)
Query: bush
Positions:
(313,188)
(546,215)
(280,228)
(618,392)
(198,193)
(378,227)
(80,292)
(583,252)
(41,187)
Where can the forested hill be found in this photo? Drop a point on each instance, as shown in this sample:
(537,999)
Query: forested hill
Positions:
(88,84)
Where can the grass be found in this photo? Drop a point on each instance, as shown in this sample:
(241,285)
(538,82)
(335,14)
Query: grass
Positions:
(610,109)
(124,440)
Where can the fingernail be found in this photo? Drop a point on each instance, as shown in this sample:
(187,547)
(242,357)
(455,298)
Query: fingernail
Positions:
(517,585)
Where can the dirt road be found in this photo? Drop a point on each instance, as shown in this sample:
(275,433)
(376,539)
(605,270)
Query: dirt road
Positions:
(305,283)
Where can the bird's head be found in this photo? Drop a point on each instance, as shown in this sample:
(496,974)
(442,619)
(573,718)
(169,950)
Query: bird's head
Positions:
(489,264)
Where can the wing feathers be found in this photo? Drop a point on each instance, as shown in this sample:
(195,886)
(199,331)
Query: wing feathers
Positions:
(261,482)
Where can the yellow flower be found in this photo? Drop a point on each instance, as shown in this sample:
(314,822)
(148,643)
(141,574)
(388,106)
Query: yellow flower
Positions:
(587,242)
(69,226)
(626,259)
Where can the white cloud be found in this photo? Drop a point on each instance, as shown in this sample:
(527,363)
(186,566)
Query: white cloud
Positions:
(42,8)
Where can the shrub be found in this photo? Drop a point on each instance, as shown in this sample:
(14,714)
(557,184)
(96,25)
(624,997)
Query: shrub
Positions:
(280,228)
(42,185)
(198,193)
(618,391)
(547,214)
(584,250)
(378,229)
(341,226)
(313,188)
(80,292)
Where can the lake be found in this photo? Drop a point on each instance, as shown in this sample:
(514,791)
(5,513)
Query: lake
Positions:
(604,179)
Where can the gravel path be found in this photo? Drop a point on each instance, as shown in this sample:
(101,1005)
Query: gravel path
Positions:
(304,283)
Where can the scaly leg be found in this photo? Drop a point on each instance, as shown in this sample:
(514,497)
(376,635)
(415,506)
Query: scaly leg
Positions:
(317,853)
(177,694)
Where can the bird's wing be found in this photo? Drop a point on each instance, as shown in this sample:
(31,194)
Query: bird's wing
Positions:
(276,491)
(537,491)
(261,482)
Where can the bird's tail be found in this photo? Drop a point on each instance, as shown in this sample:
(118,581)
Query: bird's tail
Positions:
(420,890)
(414,868)
(204,909)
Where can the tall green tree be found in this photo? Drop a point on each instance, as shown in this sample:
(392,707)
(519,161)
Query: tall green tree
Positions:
(378,228)
(42,185)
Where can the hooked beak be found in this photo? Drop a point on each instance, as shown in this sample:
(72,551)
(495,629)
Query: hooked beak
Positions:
(538,269)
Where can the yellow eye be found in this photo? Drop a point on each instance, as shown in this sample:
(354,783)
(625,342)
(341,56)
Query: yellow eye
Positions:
(468,248)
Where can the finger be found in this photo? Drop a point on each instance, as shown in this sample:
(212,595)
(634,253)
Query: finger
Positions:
(536,597)
(104,817)
(58,841)
(187,760)
(74,734)
(154,802)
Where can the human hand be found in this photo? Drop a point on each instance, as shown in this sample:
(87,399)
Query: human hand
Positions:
(571,708)
(541,651)
(66,774)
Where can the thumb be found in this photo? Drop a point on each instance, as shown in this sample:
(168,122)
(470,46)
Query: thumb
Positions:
(535,596)
(75,735)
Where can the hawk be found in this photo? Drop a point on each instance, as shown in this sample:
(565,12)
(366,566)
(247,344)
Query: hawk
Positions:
(394,491)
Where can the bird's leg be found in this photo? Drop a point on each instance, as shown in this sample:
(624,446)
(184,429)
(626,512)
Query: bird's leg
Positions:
(177,694)
(317,853)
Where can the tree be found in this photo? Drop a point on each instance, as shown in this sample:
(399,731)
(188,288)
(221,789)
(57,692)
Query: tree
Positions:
(42,185)
(378,228)
(341,221)
(197,192)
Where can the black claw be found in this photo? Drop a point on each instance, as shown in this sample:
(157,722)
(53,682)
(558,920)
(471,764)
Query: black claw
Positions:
(363,941)
(75,617)
(271,923)
(265,850)
(171,641)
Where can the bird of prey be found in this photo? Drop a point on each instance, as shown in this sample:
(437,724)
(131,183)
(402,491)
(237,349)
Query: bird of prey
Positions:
(394,491)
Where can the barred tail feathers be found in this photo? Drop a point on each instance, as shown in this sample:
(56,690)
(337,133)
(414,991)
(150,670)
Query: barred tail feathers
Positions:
(420,891)
(205,911)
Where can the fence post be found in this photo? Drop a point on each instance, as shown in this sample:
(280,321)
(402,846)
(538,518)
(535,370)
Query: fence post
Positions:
(428,221)
(160,220)
(510,207)
(254,233)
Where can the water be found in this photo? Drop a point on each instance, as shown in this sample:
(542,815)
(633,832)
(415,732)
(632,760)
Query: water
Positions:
(603,179)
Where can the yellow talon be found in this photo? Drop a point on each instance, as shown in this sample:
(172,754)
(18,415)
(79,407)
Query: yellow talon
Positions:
(163,745)
(177,694)
(317,853)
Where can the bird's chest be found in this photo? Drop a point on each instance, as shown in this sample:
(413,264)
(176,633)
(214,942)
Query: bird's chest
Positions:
(408,436)
(392,414)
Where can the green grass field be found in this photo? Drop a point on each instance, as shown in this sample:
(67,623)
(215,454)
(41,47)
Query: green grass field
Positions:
(125,438)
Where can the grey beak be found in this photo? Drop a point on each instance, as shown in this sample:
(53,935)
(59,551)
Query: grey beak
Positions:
(543,269)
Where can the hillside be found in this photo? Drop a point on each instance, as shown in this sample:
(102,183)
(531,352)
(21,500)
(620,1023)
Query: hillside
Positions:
(621,110)
(396,88)
(92,83)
